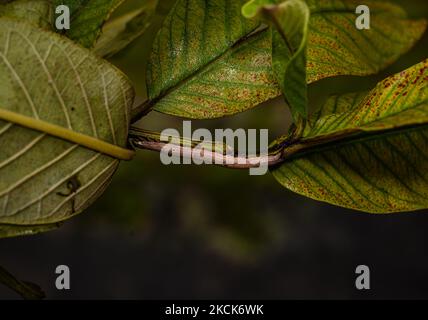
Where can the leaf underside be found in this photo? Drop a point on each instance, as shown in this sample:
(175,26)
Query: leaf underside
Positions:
(290,24)
(208,61)
(371,150)
(44,179)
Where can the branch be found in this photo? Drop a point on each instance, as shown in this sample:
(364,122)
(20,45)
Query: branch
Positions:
(148,140)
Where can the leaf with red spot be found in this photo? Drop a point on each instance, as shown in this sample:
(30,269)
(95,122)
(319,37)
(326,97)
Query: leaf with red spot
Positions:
(367,152)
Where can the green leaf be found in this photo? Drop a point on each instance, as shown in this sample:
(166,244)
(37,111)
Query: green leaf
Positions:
(9,231)
(37,12)
(88,18)
(336,47)
(122,31)
(398,101)
(209,61)
(367,152)
(45,179)
(27,290)
(289,44)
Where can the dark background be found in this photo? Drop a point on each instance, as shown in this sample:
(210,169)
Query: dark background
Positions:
(207,232)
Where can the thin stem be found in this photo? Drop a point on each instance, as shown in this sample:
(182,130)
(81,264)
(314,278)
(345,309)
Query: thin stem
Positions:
(148,140)
(26,290)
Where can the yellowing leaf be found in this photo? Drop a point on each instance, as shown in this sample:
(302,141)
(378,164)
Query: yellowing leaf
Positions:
(122,31)
(367,153)
(337,47)
(45,179)
(209,61)
(37,12)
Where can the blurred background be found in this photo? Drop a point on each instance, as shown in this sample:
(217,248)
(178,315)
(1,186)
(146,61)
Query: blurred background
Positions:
(194,232)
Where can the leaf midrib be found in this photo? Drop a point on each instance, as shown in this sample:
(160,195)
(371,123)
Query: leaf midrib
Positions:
(310,146)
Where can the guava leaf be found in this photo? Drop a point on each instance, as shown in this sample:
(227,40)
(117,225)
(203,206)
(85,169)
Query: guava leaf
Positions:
(336,47)
(9,231)
(255,8)
(37,12)
(117,34)
(45,179)
(367,152)
(290,20)
(87,18)
(209,61)
(399,100)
